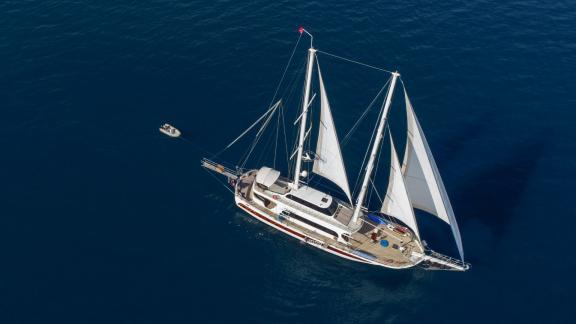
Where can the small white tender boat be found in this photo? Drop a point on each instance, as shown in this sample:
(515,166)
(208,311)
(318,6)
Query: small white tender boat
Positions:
(170,130)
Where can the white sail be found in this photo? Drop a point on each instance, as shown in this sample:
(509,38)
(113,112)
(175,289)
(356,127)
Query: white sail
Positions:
(396,203)
(329,163)
(423,182)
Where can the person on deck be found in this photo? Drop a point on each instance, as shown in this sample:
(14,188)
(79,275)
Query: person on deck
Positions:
(374,236)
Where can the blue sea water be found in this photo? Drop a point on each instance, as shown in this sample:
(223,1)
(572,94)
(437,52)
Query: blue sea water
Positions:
(104,220)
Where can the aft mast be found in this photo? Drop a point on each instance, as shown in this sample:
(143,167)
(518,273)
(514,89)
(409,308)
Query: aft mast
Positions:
(305,106)
(375,148)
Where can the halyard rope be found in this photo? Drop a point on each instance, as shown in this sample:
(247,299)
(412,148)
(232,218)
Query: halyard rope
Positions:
(352,61)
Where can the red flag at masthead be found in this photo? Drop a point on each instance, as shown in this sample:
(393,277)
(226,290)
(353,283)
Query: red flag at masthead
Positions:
(300,29)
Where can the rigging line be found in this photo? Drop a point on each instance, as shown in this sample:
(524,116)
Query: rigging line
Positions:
(268,143)
(353,61)
(385,127)
(286,152)
(289,94)
(263,149)
(285,137)
(361,118)
(295,133)
(269,111)
(247,154)
(202,150)
(293,149)
(372,137)
(285,69)
(287,98)
(257,139)
(273,98)
(292,84)
(276,141)
(218,179)
(272,140)
(376,191)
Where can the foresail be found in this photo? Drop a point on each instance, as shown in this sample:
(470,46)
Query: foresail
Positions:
(396,203)
(328,162)
(423,182)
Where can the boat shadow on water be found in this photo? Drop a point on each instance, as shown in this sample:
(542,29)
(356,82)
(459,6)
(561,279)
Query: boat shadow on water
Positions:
(492,195)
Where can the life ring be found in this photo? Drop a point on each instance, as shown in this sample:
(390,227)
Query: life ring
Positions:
(275,197)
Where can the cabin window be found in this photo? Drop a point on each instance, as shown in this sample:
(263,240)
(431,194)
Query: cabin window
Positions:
(264,200)
(332,208)
(311,223)
(329,211)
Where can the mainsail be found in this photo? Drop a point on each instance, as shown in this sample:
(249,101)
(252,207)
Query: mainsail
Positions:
(423,182)
(329,163)
(396,203)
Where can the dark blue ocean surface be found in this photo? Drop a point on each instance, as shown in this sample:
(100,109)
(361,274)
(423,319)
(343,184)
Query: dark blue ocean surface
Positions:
(104,220)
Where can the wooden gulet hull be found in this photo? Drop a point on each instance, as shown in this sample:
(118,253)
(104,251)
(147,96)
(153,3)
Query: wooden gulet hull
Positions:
(269,218)
(384,243)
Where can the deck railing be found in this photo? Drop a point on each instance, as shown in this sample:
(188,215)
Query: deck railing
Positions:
(448,259)
(211,165)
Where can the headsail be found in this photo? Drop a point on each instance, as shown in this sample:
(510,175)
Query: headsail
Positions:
(396,203)
(425,187)
(329,163)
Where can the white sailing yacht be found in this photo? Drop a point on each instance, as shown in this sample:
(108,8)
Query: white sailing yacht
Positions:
(387,237)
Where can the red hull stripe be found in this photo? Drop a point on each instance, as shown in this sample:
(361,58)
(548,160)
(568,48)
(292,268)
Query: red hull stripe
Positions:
(271,221)
(249,210)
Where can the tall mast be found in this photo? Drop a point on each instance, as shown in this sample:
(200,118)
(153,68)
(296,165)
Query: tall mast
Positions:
(305,106)
(375,148)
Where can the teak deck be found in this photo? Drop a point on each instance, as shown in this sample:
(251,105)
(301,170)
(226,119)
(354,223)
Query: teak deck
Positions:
(396,254)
